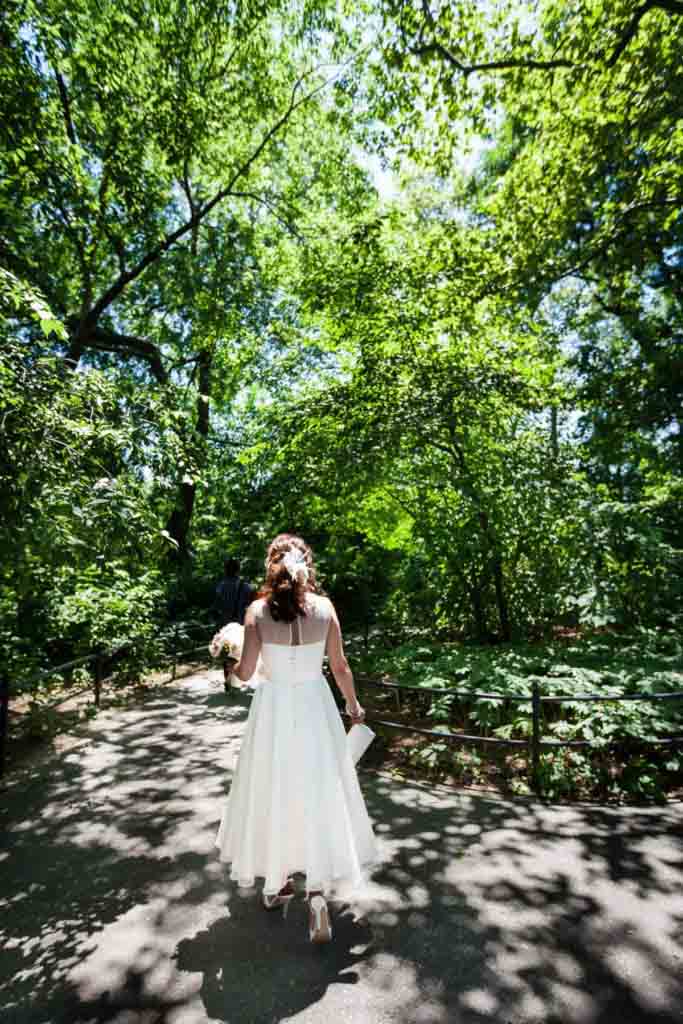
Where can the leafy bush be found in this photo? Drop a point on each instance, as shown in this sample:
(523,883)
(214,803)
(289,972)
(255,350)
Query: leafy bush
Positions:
(109,609)
(638,562)
(608,664)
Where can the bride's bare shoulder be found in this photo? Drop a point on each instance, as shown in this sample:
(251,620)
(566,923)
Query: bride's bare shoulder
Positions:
(319,605)
(258,607)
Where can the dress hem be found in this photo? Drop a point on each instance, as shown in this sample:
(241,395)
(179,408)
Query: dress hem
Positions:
(347,883)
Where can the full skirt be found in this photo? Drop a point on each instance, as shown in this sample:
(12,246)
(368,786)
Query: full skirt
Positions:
(295,804)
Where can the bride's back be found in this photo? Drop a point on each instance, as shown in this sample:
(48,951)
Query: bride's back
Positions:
(311,628)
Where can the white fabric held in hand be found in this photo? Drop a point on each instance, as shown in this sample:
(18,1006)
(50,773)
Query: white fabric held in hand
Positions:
(358,738)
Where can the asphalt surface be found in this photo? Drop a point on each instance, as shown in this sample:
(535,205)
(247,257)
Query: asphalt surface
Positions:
(114,907)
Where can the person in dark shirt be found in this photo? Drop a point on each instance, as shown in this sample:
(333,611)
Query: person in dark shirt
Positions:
(233,595)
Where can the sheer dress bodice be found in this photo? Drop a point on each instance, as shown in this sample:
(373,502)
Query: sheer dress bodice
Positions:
(293,652)
(306,629)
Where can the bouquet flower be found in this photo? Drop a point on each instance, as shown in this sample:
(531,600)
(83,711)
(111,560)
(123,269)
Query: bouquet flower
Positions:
(228,641)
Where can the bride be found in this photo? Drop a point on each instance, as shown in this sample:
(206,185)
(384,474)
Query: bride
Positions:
(295,804)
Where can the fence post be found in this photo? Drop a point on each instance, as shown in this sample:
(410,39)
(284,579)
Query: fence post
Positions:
(4,714)
(535,737)
(99,675)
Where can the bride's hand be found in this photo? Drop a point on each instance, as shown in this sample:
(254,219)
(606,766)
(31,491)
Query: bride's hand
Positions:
(356,713)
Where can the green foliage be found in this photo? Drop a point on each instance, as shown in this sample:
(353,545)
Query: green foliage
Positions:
(638,575)
(106,608)
(604,664)
(18,298)
(574,202)
(217,323)
(77,530)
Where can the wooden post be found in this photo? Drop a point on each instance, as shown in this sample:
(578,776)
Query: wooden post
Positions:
(535,737)
(4,714)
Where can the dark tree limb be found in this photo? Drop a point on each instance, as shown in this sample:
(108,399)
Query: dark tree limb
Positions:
(491,65)
(105,340)
(180,518)
(141,348)
(506,64)
(66,108)
(272,208)
(672,7)
(212,74)
(595,248)
(296,101)
(192,360)
(187,189)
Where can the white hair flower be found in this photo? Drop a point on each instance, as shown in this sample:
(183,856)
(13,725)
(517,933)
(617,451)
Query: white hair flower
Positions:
(294,562)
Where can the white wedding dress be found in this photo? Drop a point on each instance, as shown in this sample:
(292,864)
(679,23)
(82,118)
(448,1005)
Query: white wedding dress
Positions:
(295,804)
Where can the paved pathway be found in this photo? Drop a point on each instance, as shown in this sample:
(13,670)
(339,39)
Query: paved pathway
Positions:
(114,908)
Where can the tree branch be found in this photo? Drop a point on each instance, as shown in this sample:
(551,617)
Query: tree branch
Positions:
(66,107)
(492,65)
(212,75)
(181,363)
(596,246)
(123,344)
(671,7)
(273,209)
(414,512)
(469,69)
(202,210)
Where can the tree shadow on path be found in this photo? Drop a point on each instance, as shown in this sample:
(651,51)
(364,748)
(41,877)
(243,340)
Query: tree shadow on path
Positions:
(115,908)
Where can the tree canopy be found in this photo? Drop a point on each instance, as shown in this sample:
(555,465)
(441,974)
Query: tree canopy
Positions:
(404,277)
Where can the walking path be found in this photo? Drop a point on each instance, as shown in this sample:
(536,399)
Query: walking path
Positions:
(113,906)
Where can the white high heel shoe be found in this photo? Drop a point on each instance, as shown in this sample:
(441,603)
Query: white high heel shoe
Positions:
(321,930)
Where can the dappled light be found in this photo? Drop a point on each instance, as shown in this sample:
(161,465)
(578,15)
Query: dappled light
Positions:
(481,909)
(404,277)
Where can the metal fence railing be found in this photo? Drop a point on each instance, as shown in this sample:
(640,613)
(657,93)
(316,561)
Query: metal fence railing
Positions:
(535,744)
(102,663)
(180,635)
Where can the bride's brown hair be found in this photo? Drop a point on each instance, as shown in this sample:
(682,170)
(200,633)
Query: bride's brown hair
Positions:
(286,597)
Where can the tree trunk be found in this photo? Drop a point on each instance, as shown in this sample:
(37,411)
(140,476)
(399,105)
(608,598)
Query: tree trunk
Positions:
(553,431)
(478,611)
(498,579)
(181,517)
(489,537)
(180,520)
(501,599)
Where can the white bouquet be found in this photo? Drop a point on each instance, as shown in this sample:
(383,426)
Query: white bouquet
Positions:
(228,641)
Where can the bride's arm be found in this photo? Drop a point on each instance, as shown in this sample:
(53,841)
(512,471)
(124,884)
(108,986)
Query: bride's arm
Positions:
(343,676)
(251,648)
